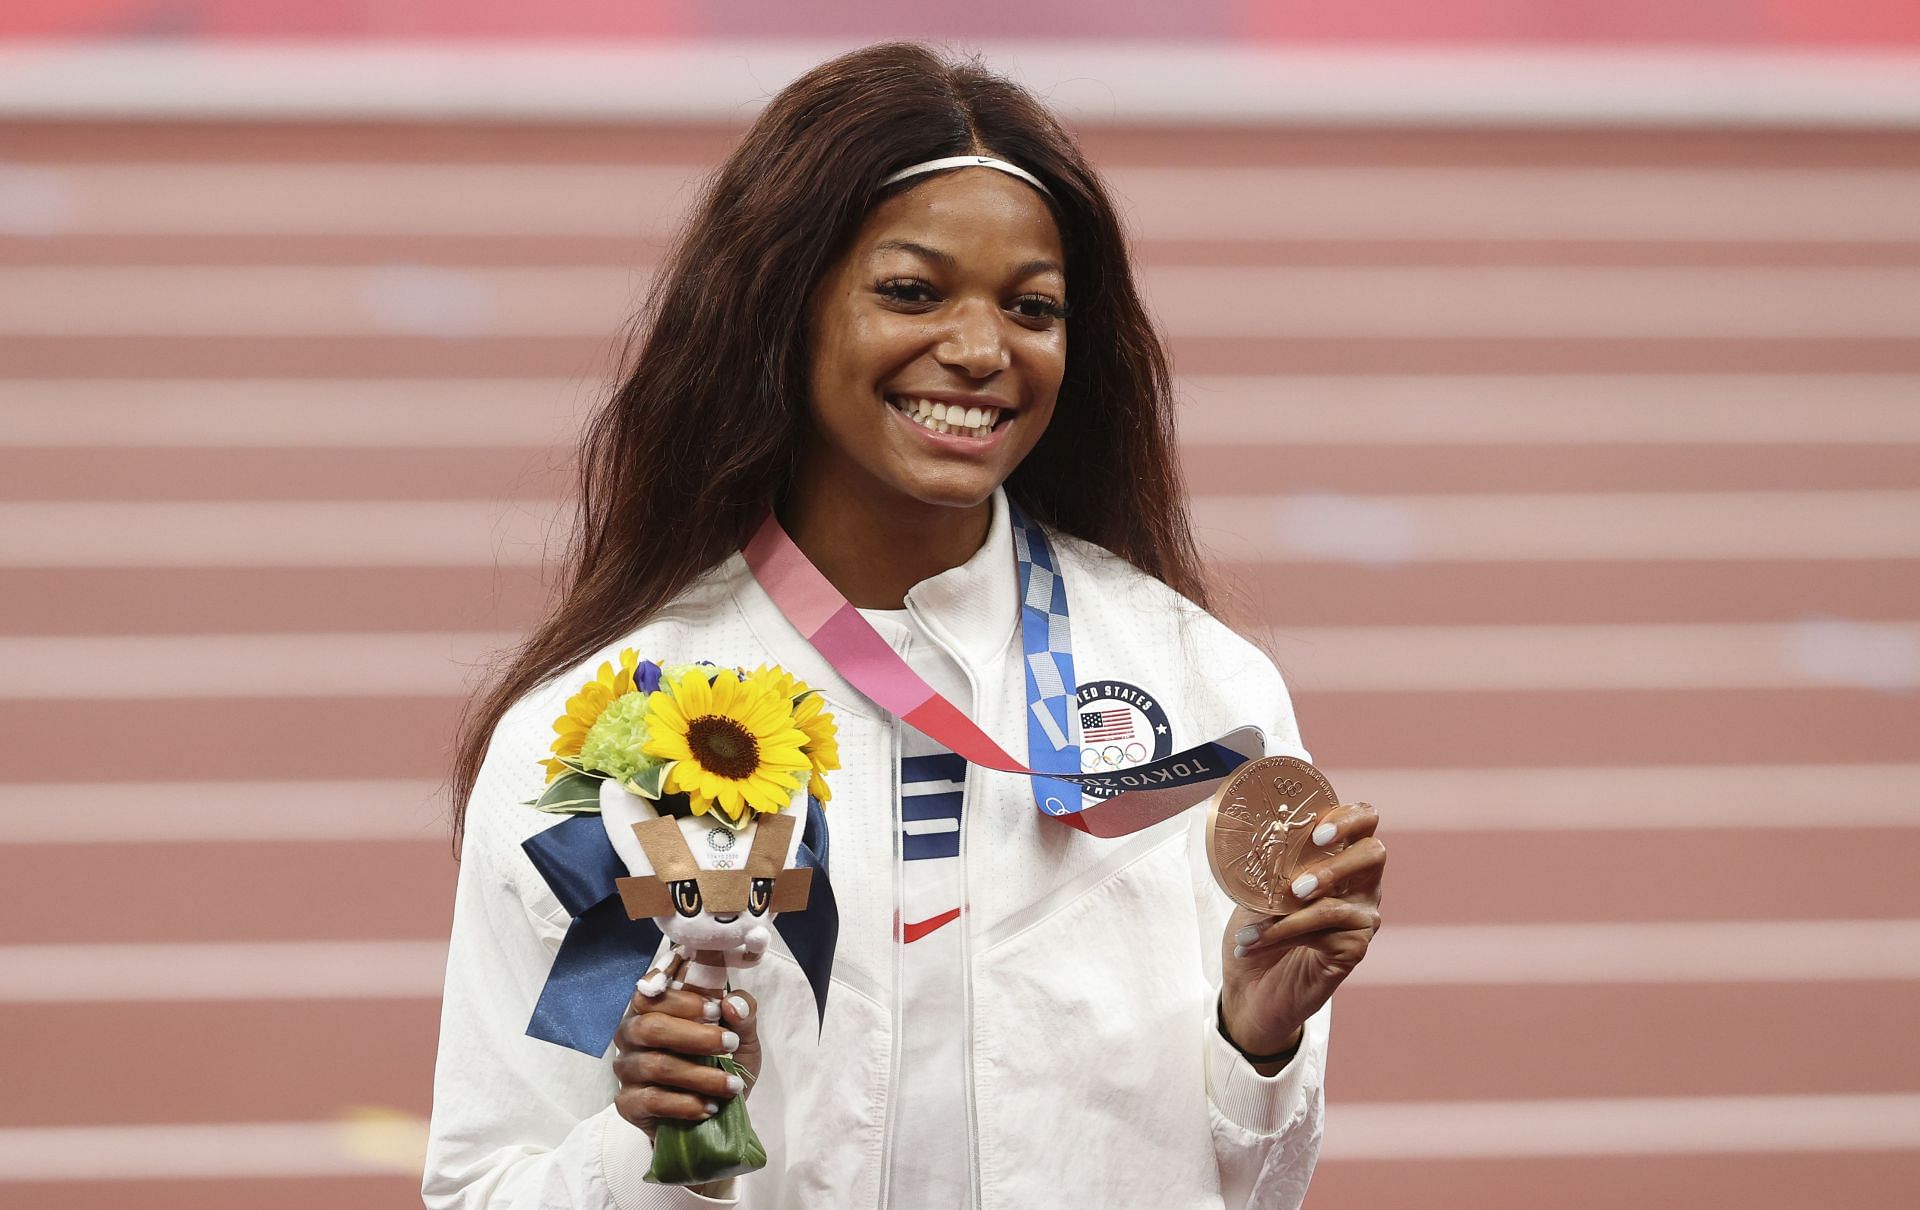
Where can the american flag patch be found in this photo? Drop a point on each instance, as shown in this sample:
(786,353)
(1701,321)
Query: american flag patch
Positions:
(1098,726)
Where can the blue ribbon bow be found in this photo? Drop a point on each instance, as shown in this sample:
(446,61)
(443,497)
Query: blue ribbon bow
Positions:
(604,953)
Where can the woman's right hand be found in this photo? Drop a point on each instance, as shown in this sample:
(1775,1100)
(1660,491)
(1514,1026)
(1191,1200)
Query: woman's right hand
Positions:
(658,1080)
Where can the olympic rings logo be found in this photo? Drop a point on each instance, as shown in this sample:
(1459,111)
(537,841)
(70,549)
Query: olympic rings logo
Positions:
(1111,756)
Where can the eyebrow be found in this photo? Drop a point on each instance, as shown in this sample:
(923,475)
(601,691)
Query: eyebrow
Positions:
(945,259)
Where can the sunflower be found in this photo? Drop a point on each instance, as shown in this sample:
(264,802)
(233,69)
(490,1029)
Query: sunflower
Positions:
(733,742)
(810,715)
(583,708)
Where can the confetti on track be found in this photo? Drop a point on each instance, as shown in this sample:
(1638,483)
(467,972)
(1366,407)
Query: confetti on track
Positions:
(1584,526)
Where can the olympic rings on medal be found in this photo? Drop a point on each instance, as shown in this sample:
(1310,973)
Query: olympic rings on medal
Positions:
(1136,752)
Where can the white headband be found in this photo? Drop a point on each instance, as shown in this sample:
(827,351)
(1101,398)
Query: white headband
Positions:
(967,161)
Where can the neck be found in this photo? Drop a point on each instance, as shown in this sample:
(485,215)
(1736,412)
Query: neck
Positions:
(874,551)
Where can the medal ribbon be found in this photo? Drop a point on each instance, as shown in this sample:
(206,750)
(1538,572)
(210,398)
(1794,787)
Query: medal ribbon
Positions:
(1141,796)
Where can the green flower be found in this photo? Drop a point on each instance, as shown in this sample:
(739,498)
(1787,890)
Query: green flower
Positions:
(613,743)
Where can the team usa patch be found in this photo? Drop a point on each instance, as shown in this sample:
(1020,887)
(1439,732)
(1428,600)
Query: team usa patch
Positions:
(1120,726)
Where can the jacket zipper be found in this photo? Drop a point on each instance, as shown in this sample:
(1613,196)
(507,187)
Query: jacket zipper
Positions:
(965,924)
(966,968)
(966,962)
(899,973)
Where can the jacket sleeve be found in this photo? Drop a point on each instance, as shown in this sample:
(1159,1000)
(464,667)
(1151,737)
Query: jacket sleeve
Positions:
(520,1124)
(1266,1129)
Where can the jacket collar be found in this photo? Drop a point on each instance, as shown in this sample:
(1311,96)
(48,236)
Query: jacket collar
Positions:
(972,609)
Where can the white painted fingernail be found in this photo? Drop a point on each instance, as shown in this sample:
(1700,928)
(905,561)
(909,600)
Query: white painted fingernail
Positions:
(729,1041)
(1305,885)
(736,1085)
(1247,935)
(711,1010)
(739,1007)
(1324,834)
(712,1109)
(1239,951)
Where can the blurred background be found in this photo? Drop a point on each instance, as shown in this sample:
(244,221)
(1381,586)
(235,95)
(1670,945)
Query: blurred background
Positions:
(1552,387)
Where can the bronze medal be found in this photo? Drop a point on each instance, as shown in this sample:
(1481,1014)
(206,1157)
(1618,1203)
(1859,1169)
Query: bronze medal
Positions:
(1259,829)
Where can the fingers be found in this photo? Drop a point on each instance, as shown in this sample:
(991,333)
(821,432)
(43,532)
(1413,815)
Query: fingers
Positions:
(1332,915)
(663,1031)
(645,1104)
(673,1073)
(1356,869)
(740,1012)
(676,1003)
(1345,824)
(658,1078)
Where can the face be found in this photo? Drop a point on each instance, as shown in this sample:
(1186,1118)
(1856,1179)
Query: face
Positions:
(939,342)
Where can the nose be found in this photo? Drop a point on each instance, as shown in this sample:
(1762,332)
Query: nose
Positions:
(729,918)
(973,342)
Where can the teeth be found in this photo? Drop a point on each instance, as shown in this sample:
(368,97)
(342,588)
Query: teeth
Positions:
(949,418)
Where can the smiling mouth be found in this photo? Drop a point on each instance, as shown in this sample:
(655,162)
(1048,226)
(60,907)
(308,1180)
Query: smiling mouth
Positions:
(948,417)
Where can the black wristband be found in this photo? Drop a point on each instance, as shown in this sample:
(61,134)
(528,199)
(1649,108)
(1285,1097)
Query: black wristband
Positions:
(1283,1058)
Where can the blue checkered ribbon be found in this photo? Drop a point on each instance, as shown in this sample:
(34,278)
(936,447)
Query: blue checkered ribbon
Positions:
(1046,638)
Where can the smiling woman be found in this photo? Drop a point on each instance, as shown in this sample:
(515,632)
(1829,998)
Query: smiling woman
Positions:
(939,344)
(897,423)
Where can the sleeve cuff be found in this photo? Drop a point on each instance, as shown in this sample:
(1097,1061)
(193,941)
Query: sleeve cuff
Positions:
(1265,1104)
(626,1153)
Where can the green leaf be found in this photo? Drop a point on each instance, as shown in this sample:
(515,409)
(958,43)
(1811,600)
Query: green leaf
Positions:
(571,794)
(650,781)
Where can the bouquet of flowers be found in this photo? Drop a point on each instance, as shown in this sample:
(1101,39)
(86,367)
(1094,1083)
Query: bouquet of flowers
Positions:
(732,743)
(664,753)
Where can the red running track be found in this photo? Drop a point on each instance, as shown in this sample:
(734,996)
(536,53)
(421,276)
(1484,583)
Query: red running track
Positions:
(1760,809)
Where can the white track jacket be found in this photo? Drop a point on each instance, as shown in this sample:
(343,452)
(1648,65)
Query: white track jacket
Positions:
(1098,1077)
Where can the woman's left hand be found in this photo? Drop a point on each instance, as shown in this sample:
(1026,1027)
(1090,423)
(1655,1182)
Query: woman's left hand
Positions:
(1278,972)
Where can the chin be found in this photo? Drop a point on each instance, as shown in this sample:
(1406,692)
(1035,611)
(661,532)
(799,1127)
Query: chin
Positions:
(957,491)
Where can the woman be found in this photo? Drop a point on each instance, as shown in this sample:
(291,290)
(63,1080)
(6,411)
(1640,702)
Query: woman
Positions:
(1020,1013)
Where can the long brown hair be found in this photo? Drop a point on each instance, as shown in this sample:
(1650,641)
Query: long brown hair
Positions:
(706,428)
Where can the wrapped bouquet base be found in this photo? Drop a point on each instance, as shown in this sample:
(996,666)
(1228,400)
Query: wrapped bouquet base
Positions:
(696,1153)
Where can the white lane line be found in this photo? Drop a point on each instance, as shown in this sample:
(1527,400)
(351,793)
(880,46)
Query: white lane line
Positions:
(632,201)
(1266,302)
(266,413)
(1561,526)
(1682,951)
(1296,410)
(1409,302)
(1519,527)
(1812,654)
(1547,799)
(610,201)
(1817,652)
(208,811)
(1404,955)
(1570,409)
(1621,1126)
(1360,1131)
(1796,798)
(422,664)
(278,970)
(282,533)
(1087,82)
(356,1145)
(318,301)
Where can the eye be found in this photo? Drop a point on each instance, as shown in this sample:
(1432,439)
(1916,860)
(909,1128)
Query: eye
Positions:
(1039,306)
(686,897)
(905,290)
(759,895)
